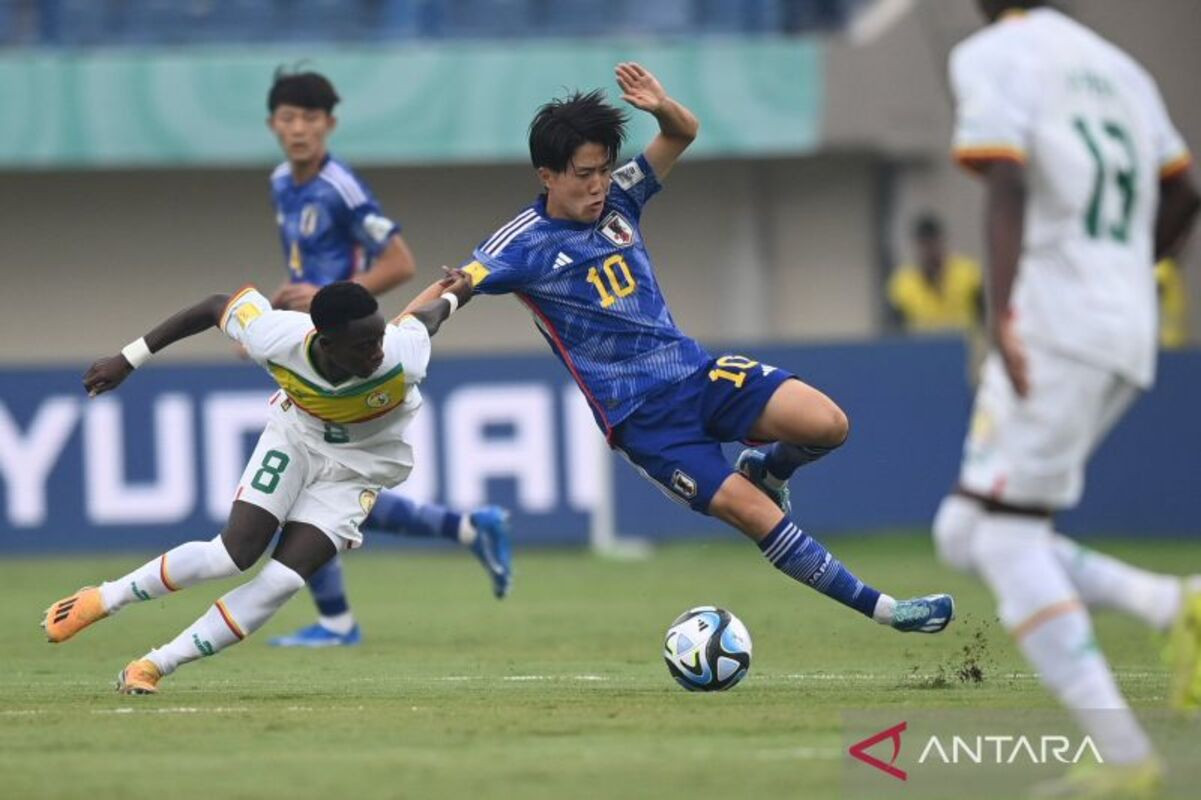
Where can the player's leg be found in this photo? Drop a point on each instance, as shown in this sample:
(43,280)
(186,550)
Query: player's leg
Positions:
(1027,458)
(336,625)
(803,558)
(302,549)
(803,425)
(1101,580)
(675,440)
(484,531)
(234,550)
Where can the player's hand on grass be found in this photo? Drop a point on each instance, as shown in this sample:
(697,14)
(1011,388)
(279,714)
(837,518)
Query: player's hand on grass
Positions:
(639,87)
(1013,354)
(106,374)
(294,296)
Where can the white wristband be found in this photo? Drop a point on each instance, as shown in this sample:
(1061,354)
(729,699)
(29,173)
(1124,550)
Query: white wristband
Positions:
(136,353)
(453,299)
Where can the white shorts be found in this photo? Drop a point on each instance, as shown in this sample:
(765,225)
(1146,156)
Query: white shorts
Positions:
(1032,451)
(296,484)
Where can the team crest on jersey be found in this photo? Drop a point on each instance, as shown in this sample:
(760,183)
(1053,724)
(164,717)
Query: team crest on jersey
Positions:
(378,399)
(683,484)
(308,219)
(617,230)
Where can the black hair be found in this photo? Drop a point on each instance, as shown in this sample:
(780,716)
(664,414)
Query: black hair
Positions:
(340,303)
(995,8)
(563,124)
(304,89)
(927,226)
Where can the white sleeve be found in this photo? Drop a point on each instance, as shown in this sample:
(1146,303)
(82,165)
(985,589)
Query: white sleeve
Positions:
(410,341)
(250,321)
(995,104)
(1171,151)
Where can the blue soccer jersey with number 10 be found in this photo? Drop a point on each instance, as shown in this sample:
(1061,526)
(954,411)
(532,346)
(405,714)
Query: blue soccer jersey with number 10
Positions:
(330,227)
(594,296)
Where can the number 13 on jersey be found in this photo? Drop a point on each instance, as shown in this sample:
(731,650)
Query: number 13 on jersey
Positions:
(617,280)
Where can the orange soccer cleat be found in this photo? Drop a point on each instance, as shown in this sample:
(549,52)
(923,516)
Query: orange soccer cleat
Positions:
(72,614)
(140,677)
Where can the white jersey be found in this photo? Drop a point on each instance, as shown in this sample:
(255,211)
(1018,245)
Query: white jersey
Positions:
(359,423)
(1090,126)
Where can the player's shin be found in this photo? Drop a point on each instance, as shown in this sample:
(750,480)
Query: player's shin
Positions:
(184,566)
(232,618)
(804,559)
(1040,607)
(394,513)
(784,458)
(328,587)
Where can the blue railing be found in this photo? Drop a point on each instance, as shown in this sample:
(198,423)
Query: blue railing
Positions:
(83,23)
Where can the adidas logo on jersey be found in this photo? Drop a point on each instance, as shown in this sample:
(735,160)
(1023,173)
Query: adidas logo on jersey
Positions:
(562,260)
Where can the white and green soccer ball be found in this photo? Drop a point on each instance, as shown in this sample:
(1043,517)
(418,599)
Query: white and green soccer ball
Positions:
(707,649)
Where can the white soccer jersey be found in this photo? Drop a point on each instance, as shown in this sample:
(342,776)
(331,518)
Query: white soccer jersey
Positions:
(359,423)
(1090,126)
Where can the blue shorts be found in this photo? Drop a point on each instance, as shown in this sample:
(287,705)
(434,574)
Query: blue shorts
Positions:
(674,438)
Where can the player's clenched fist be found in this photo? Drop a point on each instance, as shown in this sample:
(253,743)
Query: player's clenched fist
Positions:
(106,374)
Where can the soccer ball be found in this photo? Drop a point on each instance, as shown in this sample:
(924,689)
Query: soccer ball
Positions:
(707,649)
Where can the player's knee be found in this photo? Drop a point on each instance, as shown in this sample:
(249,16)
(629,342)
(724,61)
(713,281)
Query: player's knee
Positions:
(243,550)
(953,528)
(837,427)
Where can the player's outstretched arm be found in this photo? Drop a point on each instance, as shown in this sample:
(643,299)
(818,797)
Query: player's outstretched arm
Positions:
(433,306)
(107,373)
(677,125)
(1004,222)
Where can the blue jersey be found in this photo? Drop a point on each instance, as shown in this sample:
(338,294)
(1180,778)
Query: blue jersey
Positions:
(330,227)
(594,297)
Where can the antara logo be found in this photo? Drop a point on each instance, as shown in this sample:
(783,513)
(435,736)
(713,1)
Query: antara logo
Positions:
(990,749)
(893,734)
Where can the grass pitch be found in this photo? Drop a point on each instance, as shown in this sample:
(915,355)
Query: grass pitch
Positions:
(558,691)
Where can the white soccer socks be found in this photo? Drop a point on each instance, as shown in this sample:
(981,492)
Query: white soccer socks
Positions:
(1040,607)
(235,616)
(1101,581)
(186,565)
(1104,581)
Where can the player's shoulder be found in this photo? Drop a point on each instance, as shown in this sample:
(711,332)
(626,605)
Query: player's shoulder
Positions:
(280,176)
(516,235)
(342,179)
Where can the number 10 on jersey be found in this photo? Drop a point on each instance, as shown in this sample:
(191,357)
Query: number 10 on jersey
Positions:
(617,275)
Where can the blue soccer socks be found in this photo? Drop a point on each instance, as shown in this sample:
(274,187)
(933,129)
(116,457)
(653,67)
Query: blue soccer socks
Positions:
(395,513)
(804,559)
(783,458)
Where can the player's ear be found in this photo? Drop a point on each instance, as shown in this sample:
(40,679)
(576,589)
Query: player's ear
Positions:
(332,122)
(544,177)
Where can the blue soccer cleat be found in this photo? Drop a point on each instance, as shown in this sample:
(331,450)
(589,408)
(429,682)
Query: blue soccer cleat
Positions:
(929,614)
(753,465)
(317,635)
(491,546)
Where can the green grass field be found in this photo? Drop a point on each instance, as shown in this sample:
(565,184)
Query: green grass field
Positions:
(557,692)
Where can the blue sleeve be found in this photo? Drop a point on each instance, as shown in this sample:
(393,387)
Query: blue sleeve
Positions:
(507,271)
(371,228)
(634,183)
